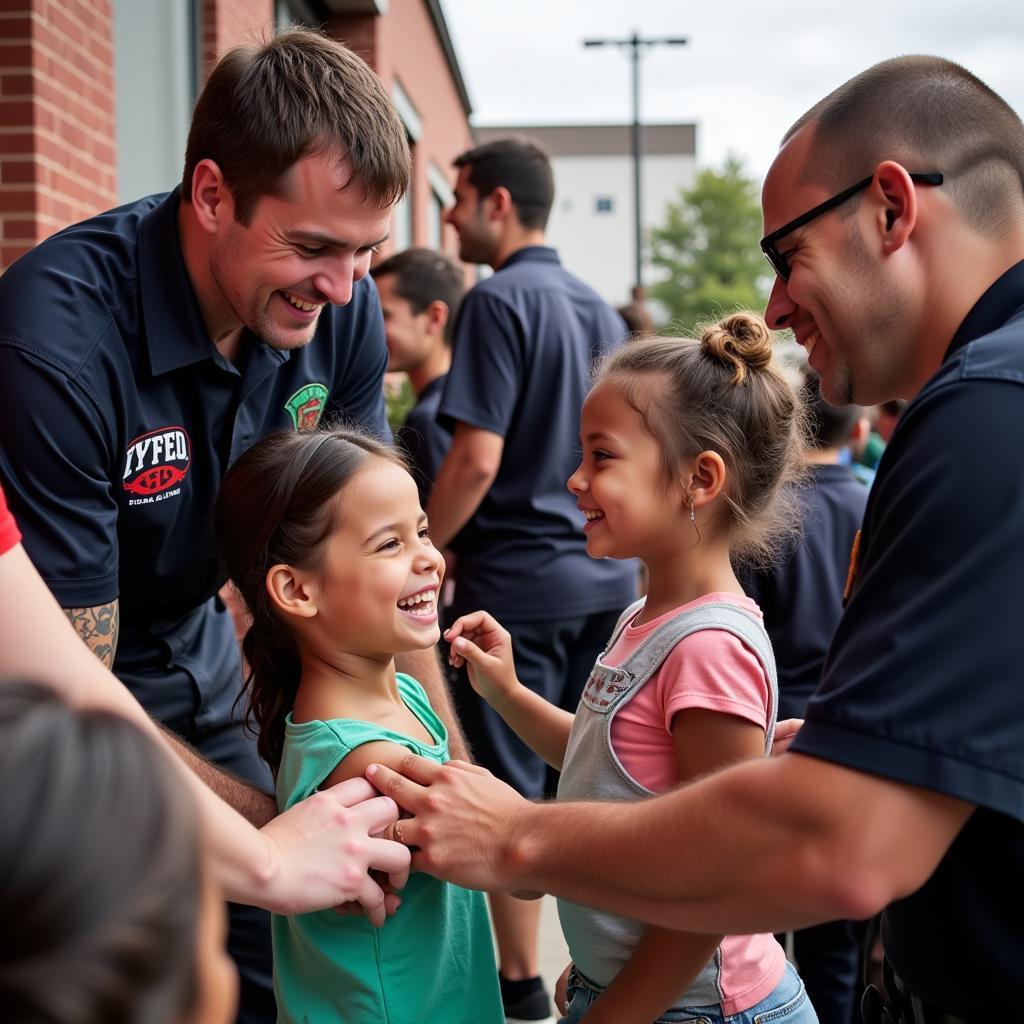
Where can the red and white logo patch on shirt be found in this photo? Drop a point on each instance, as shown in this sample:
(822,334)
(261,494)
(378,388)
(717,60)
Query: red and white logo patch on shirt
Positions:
(155,464)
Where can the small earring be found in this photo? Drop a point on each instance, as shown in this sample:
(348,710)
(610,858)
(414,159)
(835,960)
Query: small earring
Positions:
(693,517)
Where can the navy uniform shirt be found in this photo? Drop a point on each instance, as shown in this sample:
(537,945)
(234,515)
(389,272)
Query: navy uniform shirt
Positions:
(119,419)
(424,440)
(524,343)
(924,682)
(802,597)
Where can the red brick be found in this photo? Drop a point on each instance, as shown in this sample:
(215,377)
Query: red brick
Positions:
(18,229)
(17,172)
(15,85)
(16,143)
(17,113)
(17,201)
(15,55)
(15,28)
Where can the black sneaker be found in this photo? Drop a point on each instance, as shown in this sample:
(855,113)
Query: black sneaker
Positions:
(525,1001)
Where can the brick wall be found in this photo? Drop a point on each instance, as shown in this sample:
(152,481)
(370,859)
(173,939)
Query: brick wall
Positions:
(57,143)
(408,49)
(359,32)
(227,23)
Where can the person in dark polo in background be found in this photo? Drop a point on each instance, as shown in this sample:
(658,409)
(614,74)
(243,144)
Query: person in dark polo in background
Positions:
(524,343)
(143,350)
(420,291)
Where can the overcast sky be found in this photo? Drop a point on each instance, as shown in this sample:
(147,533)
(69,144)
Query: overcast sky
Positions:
(750,68)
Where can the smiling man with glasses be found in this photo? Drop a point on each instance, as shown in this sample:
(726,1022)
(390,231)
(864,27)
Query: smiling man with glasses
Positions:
(904,790)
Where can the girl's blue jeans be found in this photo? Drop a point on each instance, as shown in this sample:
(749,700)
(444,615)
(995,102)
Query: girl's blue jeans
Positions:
(787,1004)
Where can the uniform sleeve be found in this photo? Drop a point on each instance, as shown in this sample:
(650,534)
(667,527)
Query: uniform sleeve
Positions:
(9,534)
(359,401)
(713,669)
(922,683)
(483,383)
(56,468)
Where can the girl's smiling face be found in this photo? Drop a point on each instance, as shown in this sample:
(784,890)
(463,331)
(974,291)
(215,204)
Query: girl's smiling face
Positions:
(620,484)
(379,583)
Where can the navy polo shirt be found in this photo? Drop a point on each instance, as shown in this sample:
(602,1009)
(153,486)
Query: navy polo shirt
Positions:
(924,682)
(524,343)
(119,420)
(424,440)
(802,597)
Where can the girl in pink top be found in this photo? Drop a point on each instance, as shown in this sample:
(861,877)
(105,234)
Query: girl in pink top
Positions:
(687,445)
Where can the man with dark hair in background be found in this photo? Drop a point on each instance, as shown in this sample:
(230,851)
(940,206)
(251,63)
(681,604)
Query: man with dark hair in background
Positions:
(420,291)
(801,598)
(143,350)
(524,343)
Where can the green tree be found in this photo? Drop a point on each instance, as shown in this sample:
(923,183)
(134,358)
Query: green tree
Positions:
(708,249)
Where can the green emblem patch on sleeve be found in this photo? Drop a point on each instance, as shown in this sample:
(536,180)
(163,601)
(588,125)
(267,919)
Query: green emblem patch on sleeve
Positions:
(306,406)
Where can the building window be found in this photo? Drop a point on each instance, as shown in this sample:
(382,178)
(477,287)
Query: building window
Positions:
(295,13)
(441,197)
(435,211)
(155,72)
(402,217)
(401,222)
(604,204)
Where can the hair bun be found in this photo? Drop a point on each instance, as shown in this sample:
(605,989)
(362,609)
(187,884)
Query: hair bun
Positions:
(741,341)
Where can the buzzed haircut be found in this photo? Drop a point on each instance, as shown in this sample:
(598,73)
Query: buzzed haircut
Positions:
(928,114)
(423,276)
(265,107)
(828,426)
(520,165)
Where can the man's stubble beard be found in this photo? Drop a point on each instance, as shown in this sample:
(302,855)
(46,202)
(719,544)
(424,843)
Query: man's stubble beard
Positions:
(872,331)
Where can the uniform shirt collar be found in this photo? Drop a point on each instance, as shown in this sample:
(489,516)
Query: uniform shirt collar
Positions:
(1000,301)
(533,253)
(176,335)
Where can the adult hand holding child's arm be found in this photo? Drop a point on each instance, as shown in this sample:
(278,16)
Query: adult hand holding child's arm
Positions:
(320,852)
(464,827)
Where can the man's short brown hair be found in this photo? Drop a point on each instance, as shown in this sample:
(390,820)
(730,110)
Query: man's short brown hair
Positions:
(520,165)
(265,107)
(928,114)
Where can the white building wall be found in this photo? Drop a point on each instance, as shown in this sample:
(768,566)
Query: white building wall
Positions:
(598,246)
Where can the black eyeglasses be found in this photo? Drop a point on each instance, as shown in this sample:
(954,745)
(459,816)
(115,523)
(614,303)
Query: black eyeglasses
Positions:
(780,262)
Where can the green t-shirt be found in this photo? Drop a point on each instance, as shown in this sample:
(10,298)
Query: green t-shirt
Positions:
(433,961)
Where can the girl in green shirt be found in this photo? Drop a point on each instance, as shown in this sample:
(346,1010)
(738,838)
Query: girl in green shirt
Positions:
(323,535)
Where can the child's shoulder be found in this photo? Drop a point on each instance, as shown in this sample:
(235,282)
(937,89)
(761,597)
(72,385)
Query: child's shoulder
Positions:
(314,749)
(326,737)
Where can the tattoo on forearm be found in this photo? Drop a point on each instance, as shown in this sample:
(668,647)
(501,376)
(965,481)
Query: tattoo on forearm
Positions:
(98,627)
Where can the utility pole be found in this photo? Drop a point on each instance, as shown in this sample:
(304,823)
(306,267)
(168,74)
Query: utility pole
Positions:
(636,44)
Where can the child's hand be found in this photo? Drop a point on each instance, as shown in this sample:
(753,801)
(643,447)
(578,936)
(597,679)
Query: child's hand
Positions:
(478,641)
(785,733)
